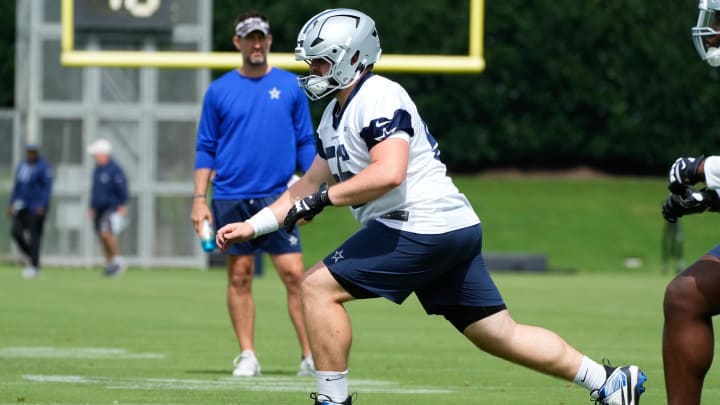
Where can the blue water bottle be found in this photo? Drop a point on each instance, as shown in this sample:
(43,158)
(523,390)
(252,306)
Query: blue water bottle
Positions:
(207,236)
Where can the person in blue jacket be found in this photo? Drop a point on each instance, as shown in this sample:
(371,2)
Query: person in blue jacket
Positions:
(255,132)
(108,200)
(28,206)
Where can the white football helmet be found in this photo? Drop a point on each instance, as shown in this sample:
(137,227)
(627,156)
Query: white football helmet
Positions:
(707,26)
(345,38)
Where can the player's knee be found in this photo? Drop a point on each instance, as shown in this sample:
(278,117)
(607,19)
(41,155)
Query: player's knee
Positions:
(308,286)
(673,291)
(240,282)
(314,284)
(240,277)
(681,297)
(291,275)
(291,281)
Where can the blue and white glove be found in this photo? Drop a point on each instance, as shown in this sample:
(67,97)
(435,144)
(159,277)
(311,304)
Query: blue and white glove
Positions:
(690,202)
(684,172)
(308,207)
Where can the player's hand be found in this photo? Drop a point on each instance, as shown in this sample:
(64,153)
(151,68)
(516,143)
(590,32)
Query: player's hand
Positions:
(199,213)
(308,207)
(236,232)
(690,202)
(684,172)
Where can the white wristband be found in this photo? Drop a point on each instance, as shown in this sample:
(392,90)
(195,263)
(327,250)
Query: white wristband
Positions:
(263,222)
(293,180)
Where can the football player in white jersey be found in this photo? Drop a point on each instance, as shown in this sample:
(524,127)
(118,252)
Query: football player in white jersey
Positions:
(693,297)
(419,234)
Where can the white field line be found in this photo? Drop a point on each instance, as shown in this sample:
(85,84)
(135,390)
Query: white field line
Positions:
(268,384)
(42,352)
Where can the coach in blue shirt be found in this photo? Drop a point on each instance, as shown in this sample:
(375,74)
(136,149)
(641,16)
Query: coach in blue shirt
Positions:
(29,203)
(108,199)
(255,133)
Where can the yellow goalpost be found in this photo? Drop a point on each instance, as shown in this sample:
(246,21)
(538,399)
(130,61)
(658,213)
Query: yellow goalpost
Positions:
(473,62)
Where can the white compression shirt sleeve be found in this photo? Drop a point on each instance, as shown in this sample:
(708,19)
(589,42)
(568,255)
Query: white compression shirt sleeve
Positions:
(712,171)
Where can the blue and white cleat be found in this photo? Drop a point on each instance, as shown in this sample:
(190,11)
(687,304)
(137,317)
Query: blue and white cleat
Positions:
(623,386)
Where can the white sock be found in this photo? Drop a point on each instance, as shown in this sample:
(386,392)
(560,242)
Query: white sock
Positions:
(118,260)
(332,386)
(591,375)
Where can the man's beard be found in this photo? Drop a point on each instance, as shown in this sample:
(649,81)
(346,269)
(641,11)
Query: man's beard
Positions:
(256,60)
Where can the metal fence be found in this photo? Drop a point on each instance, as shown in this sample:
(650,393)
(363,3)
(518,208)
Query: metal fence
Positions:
(150,116)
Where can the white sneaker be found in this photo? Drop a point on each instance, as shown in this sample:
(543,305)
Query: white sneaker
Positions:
(30,272)
(307,367)
(114,270)
(246,365)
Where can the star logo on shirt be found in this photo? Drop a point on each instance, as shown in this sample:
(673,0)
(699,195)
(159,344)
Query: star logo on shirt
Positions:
(337,256)
(274,93)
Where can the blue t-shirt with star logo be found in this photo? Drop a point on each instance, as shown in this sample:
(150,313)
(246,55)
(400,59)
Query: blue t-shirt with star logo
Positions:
(255,133)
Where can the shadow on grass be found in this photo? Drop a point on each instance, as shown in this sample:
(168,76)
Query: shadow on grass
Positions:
(228,372)
(210,372)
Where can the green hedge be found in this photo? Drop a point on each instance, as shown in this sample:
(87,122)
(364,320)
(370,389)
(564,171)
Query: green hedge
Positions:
(7,53)
(613,85)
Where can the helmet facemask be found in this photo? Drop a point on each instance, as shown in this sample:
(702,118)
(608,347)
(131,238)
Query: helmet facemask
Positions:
(706,33)
(317,86)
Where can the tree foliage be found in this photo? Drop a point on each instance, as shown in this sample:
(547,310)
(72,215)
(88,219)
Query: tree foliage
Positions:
(613,85)
(616,85)
(7,53)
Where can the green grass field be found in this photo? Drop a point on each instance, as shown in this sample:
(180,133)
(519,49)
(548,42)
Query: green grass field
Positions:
(581,224)
(162,336)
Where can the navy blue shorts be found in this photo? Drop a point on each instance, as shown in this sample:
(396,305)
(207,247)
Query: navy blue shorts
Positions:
(228,211)
(443,270)
(102,220)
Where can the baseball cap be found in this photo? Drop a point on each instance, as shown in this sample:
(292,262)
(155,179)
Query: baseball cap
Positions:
(248,25)
(32,147)
(101,146)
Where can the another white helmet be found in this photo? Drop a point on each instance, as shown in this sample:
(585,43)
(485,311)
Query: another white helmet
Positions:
(345,38)
(705,34)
